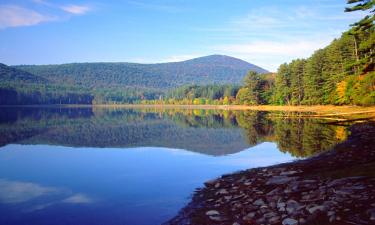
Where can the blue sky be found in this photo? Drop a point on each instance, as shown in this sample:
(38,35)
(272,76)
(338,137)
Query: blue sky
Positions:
(266,33)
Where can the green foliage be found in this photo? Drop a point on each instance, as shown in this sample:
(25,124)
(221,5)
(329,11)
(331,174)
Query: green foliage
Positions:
(257,89)
(205,70)
(203,94)
(341,73)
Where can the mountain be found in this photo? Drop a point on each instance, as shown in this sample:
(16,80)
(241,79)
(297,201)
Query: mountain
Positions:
(9,74)
(218,69)
(113,83)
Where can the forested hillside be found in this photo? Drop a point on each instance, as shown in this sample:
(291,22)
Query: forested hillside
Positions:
(114,83)
(205,70)
(341,73)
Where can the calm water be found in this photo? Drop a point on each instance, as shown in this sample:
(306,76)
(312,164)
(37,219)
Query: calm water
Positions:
(123,166)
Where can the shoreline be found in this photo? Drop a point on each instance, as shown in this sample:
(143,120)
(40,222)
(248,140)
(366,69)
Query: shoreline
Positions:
(328,110)
(335,187)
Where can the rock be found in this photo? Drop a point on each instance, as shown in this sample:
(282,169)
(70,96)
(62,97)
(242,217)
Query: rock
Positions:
(249,216)
(313,209)
(212,213)
(259,202)
(274,219)
(215,218)
(222,192)
(279,180)
(270,214)
(235,223)
(281,204)
(217,185)
(287,173)
(330,213)
(371,212)
(291,206)
(274,191)
(261,220)
(289,221)
(228,197)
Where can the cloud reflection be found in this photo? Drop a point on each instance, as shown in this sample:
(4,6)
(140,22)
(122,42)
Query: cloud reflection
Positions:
(17,192)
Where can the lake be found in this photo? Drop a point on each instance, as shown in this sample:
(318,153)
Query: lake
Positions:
(88,165)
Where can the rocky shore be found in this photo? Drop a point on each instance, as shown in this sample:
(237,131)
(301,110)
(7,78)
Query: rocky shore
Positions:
(336,187)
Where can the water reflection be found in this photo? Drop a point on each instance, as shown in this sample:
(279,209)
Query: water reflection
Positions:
(211,132)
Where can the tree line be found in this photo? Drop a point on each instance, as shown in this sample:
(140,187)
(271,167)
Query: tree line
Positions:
(340,74)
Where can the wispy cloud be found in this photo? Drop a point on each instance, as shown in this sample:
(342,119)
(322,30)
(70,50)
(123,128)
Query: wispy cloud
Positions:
(17,192)
(179,58)
(271,36)
(76,9)
(15,16)
(78,199)
(287,48)
(270,54)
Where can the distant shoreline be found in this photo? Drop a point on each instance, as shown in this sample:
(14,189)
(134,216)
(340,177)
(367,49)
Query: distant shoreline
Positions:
(326,110)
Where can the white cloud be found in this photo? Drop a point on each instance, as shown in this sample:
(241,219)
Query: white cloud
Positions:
(270,54)
(17,192)
(76,9)
(179,58)
(15,16)
(271,36)
(78,199)
(286,48)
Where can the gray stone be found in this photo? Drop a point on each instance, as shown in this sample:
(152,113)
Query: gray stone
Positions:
(249,216)
(228,197)
(215,218)
(287,173)
(279,180)
(212,213)
(291,206)
(289,221)
(371,212)
(259,202)
(274,191)
(280,204)
(274,219)
(316,208)
(330,213)
(222,191)
(235,223)
(270,214)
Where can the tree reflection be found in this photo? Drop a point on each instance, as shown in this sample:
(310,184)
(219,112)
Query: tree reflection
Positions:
(214,132)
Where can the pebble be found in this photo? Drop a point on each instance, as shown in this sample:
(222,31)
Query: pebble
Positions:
(222,191)
(259,202)
(289,221)
(279,180)
(313,209)
(274,219)
(215,218)
(212,213)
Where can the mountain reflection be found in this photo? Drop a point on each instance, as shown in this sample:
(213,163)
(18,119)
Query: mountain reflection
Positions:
(211,132)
